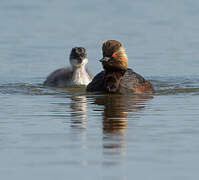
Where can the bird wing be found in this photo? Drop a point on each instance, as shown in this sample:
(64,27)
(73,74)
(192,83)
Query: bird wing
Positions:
(97,84)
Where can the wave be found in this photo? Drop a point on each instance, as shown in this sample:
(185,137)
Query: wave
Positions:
(162,85)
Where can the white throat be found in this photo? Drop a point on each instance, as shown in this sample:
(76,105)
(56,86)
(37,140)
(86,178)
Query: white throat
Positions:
(80,75)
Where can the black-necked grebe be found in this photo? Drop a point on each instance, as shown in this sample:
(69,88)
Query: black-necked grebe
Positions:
(116,77)
(77,74)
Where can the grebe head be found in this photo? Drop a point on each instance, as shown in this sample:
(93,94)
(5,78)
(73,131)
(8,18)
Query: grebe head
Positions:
(114,56)
(78,57)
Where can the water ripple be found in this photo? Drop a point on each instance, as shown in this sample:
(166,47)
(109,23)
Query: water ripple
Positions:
(36,89)
(163,86)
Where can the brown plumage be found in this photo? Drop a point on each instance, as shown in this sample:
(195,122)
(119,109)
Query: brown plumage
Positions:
(116,77)
(116,56)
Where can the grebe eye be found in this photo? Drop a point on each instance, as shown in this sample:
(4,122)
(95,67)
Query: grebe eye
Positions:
(114,55)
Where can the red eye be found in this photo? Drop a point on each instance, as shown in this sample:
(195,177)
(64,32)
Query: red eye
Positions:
(114,55)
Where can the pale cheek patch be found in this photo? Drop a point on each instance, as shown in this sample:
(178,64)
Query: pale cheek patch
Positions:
(123,52)
(75,62)
(85,61)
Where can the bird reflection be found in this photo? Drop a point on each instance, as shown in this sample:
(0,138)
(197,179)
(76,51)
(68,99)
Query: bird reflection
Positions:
(114,118)
(78,111)
(118,111)
(78,115)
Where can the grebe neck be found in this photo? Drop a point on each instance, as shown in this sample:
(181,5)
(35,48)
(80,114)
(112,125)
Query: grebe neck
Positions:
(80,76)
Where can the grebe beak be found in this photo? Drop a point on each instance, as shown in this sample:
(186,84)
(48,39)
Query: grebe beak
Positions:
(104,59)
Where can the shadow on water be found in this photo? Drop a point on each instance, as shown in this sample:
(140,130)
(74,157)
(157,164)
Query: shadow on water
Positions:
(163,86)
(78,117)
(113,111)
(116,109)
(78,108)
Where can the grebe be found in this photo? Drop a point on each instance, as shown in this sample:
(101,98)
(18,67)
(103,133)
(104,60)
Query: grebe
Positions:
(77,74)
(116,77)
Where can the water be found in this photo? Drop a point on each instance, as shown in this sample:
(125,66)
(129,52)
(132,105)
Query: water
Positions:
(54,133)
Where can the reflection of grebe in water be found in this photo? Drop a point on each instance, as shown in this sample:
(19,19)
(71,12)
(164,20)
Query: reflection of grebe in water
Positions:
(78,115)
(77,74)
(78,111)
(116,110)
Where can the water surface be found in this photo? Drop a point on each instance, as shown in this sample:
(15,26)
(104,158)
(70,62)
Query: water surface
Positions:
(66,133)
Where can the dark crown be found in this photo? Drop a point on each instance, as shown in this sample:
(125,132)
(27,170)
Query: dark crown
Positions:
(114,56)
(110,46)
(78,52)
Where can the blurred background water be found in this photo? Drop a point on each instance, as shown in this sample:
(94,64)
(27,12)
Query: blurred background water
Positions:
(52,133)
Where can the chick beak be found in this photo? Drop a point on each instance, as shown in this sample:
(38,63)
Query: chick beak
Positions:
(104,59)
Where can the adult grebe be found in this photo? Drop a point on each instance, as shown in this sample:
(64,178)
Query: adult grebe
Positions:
(116,77)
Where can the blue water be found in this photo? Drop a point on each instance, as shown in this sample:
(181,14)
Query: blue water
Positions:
(66,133)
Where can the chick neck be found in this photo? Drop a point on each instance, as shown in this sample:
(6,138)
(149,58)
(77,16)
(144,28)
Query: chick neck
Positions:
(79,74)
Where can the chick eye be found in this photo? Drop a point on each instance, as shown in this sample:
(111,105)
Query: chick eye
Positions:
(114,55)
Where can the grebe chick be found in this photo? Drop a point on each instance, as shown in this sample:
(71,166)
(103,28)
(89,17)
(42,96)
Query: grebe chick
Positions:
(77,74)
(117,77)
